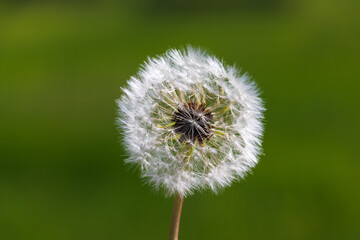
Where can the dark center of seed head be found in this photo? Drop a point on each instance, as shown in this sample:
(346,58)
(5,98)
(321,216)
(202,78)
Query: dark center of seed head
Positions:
(193,122)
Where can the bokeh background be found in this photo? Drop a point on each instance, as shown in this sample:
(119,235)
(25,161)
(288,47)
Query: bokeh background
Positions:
(62,64)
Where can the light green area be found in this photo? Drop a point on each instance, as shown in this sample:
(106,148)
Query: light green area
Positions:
(62,174)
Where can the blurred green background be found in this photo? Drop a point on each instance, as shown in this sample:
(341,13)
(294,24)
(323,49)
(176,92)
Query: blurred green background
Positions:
(62,64)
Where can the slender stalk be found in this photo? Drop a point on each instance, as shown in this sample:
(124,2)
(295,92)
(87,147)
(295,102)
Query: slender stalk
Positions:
(175,219)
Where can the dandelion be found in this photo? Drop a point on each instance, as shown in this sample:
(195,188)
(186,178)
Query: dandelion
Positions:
(190,123)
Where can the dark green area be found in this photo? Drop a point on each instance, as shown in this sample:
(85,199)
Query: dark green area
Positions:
(62,174)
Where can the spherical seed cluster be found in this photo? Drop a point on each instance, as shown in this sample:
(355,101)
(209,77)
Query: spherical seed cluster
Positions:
(190,122)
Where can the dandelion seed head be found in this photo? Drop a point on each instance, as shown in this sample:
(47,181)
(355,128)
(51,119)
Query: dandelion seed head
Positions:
(190,123)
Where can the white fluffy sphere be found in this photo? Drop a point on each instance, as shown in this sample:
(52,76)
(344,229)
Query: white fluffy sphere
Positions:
(190,122)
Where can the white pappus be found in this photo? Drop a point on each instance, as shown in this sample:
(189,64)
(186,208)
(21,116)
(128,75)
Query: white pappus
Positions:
(190,122)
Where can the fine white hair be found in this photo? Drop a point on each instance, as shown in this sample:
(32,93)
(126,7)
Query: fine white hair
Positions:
(226,147)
